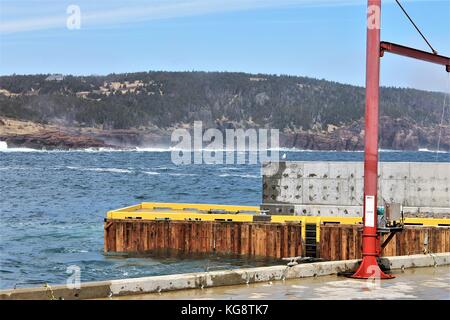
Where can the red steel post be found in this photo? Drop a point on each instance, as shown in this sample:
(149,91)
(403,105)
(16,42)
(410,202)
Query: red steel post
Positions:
(370,250)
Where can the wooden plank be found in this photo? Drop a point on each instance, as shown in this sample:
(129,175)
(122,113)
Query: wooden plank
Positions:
(344,234)
(334,255)
(445,240)
(279,241)
(251,239)
(245,239)
(228,238)
(292,242)
(353,246)
(119,237)
(324,242)
(237,237)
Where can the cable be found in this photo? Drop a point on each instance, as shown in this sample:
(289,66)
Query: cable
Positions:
(442,118)
(415,26)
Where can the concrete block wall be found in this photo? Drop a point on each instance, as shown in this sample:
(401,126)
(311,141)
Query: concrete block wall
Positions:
(336,188)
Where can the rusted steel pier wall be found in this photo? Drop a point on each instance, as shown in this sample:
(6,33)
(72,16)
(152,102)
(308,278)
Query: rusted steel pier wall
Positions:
(272,240)
(343,242)
(262,239)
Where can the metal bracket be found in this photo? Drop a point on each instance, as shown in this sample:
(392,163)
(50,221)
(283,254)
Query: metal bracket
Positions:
(392,231)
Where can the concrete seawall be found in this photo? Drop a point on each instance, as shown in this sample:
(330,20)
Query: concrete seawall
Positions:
(105,289)
(321,188)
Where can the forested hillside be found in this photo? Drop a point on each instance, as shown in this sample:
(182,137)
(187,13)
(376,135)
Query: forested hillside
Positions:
(164,100)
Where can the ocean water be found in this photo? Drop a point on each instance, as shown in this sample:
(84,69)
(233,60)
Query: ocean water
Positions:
(52,206)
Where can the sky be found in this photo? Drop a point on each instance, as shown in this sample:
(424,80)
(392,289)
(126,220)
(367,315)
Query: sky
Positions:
(323,39)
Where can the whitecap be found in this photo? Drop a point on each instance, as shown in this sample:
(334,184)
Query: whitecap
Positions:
(139,149)
(151,172)
(229,168)
(3,145)
(432,151)
(15,168)
(252,176)
(4,148)
(113,170)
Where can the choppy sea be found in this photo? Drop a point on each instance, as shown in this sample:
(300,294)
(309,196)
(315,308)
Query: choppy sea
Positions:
(52,206)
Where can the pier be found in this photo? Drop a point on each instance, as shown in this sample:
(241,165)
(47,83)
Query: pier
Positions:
(323,229)
(308,209)
(246,231)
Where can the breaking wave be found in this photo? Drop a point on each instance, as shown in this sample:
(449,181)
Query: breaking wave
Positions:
(251,176)
(113,170)
(151,173)
(432,151)
(4,148)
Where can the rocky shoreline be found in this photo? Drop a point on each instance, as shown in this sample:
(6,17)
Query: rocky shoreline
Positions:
(396,134)
(50,140)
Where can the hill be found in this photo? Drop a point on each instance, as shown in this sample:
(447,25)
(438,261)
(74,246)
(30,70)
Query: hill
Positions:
(142,108)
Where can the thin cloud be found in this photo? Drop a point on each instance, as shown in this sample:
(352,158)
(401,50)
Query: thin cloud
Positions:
(158,10)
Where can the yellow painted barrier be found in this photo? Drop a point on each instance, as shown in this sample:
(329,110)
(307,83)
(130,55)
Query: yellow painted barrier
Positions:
(198,207)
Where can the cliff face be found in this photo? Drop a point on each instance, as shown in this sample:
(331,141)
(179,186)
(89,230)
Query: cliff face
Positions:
(53,140)
(396,134)
(142,109)
(27,134)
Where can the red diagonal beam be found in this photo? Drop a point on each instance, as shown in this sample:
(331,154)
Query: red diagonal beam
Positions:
(414,53)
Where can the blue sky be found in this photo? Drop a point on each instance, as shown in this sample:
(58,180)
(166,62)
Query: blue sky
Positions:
(315,38)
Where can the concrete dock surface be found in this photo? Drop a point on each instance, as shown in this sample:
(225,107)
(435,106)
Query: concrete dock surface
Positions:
(427,276)
(431,283)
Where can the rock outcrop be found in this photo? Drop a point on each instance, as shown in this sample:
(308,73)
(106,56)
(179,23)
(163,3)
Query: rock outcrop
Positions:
(52,140)
(395,134)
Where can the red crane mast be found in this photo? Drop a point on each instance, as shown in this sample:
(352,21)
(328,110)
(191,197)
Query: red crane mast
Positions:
(374,51)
